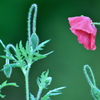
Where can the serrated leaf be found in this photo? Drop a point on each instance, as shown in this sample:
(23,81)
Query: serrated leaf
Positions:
(18,53)
(2,96)
(37,54)
(52,93)
(55,91)
(45,97)
(3,84)
(8,51)
(43,74)
(39,57)
(8,69)
(32,97)
(23,50)
(20,63)
(9,65)
(48,53)
(34,40)
(38,81)
(6,57)
(27,48)
(42,79)
(39,47)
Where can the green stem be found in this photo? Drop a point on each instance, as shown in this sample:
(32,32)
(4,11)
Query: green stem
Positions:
(27,82)
(34,21)
(39,93)
(11,46)
(95,23)
(87,76)
(27,86)
(2,43)
(29,39)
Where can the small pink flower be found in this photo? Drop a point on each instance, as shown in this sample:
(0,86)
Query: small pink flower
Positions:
(85,32)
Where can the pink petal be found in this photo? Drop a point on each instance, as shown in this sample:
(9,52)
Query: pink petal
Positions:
(86,39)
(82,23)
(85,32)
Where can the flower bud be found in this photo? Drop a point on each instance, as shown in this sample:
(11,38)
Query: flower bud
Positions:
(7,71)
(34,40)
(48,80)
(95,92)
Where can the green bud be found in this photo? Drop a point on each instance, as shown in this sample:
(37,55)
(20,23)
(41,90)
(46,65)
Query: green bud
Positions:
(48,80)
(95,92)
(34,40)
(7,71)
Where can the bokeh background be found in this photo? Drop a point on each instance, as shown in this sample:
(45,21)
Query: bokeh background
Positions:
(69,57)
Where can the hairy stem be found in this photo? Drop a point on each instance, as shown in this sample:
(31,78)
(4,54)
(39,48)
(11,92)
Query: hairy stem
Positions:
(27,81)
(29,39)
(39,93)
(95,23)
(87,76)
(34,21)
(9,46)
(27,86)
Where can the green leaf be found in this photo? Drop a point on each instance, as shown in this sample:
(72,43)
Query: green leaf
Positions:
(48,53)
(41,81)
(9,65)
(38,81)
(18,53)
(20,57)
(8,54)
(7,57)
(52,93)
(4,84)
(45,97)
(2,96)
(34,40)
(39,57)
(23,50)
(55,91)
(12,84)
(32,97)
(39,47)
(27,48)
(7,71)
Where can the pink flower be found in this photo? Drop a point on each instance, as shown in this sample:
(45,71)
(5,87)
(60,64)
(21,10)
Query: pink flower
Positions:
(85,32)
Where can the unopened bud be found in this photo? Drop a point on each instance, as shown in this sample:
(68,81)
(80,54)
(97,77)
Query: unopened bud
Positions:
(34,40)
(95,92)
(48,80)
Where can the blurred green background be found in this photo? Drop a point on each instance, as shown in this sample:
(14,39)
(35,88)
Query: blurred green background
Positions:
(69,57)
